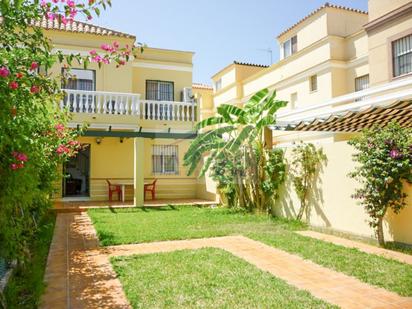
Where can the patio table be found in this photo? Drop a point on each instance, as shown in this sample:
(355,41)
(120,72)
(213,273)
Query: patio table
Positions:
(124,184)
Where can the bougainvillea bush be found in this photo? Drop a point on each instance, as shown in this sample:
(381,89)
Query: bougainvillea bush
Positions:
(385,164)
(34,138)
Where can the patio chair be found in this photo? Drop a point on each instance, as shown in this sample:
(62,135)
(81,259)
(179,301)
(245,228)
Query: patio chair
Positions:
(114,189)
(151,187)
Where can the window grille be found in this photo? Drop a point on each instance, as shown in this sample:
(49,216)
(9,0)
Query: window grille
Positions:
(361,83)
(159,90)
(165,159)
(402,56)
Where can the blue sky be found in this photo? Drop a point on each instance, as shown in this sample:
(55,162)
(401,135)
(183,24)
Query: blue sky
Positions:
(218,31)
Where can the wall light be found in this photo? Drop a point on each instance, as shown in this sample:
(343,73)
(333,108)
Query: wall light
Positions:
(121,139)
(98,140)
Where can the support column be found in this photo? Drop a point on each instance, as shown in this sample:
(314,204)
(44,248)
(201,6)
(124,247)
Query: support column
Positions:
(268,138)
(138,171)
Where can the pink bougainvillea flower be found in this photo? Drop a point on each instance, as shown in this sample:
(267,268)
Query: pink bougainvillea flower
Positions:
(20,156)
(4,72)
(59,127)
(115,44)
(61,149)
(13,85)
(14,166)
(97,58)
(64,20)
(70,3)
(90,17)
(105,47)
(395,154)
(93,52)
(105,60)
(34,89)
(50,16)
(19,75)
(55,1)
(34,65)
(43,3)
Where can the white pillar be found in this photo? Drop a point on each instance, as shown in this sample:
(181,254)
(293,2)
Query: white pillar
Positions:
(138,171)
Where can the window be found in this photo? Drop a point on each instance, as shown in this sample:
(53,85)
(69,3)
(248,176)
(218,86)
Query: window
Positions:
(313,80)
(361,83)
(293,99)
(159,90)
(218,84)
(402,56)
(289,47)
(81,80)
(165,160)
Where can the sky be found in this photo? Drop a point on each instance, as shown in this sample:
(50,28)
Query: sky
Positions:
(218,31)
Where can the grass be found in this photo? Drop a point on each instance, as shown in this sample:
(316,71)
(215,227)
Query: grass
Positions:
(205,278)
(26,286)
(136,226)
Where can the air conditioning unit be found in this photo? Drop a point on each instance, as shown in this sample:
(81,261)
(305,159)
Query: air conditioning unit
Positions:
(187,95)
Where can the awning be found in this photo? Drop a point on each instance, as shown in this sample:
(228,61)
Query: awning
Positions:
(355,121)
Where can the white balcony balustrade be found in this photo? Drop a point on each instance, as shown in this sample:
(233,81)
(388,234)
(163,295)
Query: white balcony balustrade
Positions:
(113,103)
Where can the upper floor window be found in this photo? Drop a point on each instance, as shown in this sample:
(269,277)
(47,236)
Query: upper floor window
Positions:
(165,160)
(80,79)
(402,56)
(159,90)
(218,84)
(289,47)
(313,83)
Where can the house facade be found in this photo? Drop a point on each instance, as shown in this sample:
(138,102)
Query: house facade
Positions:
(140,118)
(334,61)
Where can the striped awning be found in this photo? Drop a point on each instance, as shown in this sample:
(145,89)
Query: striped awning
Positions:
(354,121)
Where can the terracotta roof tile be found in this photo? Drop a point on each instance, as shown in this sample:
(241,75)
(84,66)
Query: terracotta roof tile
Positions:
(79,27)
(201,86)
(251,64)
(326,5)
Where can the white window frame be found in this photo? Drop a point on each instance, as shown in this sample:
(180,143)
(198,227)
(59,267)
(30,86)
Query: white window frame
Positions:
(401,49)
(286,48)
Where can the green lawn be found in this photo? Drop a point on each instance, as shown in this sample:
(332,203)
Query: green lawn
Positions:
(137,225)
(205,278)
(26,286)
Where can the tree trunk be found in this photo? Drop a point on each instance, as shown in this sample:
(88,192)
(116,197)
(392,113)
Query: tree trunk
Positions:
(379,232)
(301,210)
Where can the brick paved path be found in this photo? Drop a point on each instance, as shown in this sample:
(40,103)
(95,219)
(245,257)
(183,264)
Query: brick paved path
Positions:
(401,257)
(79,274)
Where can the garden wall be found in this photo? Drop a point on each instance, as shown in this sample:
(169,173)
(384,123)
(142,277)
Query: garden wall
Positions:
(331,204)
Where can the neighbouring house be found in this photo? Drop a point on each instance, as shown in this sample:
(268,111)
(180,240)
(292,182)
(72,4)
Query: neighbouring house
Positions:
(341,70)
(140,118)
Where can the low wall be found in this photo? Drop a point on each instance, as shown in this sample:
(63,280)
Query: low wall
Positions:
(331,204)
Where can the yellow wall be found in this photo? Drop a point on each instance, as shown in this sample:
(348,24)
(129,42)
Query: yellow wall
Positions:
(377,8)
(331,204)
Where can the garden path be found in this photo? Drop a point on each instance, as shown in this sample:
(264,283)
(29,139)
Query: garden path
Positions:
(79,274)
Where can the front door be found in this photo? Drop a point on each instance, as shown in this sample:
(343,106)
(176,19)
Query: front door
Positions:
(76,174)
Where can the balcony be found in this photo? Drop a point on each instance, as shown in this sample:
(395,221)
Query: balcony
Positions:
(127,109)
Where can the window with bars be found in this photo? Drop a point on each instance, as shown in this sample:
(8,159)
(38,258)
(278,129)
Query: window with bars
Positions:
(402,56)
(313,83)
(165,159)
(361,83)
(159,90)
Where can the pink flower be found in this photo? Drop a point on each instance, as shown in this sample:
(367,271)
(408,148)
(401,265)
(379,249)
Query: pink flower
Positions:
(74,143)
(73,13)
(34,65)
(64,20)
(50,16)
(115,44)
(19,75)
(43,3)
(20,156)
(4,72)
(105,61)
(34,89)
(59,127)
(122,62)
(13,85)
(105,47)
(97,58)
(70,3)
(89,17)
(14,166)
(62,149)
(93,52)
(55,1)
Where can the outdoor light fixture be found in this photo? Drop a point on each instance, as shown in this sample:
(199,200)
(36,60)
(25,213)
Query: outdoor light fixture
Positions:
(98,140)
(121,140)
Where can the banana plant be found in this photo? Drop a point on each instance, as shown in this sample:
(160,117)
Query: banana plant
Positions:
(232,129)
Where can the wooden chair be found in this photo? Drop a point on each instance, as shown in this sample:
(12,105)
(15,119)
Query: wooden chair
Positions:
(114,189)
(151,187)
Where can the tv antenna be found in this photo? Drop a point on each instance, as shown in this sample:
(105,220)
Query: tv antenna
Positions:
(270,53)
